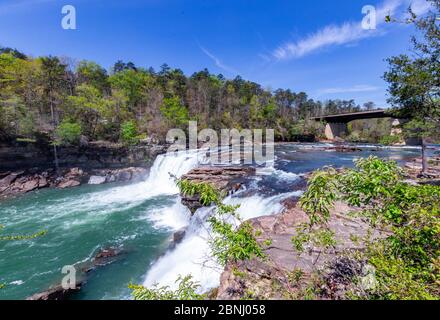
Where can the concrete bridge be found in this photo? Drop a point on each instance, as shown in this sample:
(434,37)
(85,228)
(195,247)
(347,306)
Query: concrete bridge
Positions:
(337,124)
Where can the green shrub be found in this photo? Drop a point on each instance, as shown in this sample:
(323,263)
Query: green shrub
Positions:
(68,133)
(407,261)
(129,132)
(354,136)
(390,140)
(208,195)
(228,243)
(174,112)
(187,290)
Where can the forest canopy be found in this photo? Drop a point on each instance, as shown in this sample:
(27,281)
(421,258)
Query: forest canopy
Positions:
(65,100)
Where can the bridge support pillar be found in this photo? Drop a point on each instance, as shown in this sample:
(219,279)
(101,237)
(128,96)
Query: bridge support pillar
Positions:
(335,130)
(396,127)
(396,130)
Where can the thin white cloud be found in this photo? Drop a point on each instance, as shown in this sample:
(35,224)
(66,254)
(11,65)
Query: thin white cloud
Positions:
(354,89)
(346,33)
(218,62)
(329,35)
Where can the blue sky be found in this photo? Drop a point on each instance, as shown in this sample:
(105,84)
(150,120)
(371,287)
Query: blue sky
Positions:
(316,46)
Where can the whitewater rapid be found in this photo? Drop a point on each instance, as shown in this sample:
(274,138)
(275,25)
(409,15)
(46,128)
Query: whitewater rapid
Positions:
(193,255)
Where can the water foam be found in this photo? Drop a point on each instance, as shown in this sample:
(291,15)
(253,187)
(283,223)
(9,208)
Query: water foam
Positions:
(193,255)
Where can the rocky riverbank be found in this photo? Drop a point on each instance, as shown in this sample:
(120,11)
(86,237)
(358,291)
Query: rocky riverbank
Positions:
(414,167)
(289,274)
(25,166)
(93,155)
(16,183)
(286,272)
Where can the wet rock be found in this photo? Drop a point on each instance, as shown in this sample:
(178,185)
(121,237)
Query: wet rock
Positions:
(42,182)
(179,235)
(69,184)
(30,185)
(97,180)
(56,293)
(123,176)
(344,149)
(104,257)
(74,172)
(5,182)
(110,178)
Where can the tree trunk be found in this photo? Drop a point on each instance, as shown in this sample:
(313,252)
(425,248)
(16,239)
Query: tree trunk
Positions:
(55,151)
(424,158)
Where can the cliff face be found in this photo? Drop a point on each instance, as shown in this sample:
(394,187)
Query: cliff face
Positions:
(23,156)
(26,167)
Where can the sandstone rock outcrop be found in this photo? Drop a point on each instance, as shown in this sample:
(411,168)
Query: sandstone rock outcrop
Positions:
(56,293)
(102,258)
(224,179)
(271,278)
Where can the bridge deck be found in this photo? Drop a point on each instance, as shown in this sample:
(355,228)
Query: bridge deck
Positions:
(347,117)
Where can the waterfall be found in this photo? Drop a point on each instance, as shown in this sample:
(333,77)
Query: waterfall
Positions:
(159,182)
(192,255)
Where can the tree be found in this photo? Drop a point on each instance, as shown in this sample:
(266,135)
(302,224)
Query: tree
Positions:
(129,132)
(93,74)
(369,106)
(14,52)
(89,108)
(135,85)
(174,112)
(53,74)
(69,132)
(38,94)
(414,81)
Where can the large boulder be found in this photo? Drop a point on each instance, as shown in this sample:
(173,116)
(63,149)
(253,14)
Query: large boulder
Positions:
(97,180)
(56,293)
(69,184)
(223,179)
(179,235)
(30,185)
(6,181)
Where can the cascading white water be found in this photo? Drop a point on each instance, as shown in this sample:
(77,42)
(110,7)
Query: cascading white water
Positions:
(159,182)
(83,220)
(193,257)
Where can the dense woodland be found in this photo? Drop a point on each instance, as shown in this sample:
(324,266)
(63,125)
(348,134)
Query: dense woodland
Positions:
(65,100)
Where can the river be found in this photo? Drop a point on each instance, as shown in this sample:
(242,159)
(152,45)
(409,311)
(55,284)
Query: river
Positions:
(140,219)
